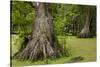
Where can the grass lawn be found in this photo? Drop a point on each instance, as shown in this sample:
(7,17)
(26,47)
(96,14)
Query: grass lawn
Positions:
(78,47)
(83,47)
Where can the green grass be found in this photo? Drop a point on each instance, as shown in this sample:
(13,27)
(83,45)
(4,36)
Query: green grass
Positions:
(85,47)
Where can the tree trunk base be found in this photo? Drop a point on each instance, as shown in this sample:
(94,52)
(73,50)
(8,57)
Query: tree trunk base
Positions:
(85,34)
(39,49)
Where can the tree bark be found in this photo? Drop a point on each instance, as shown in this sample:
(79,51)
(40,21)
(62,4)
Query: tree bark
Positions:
(42,44)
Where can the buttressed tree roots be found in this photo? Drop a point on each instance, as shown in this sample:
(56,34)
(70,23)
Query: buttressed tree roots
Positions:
(43,43)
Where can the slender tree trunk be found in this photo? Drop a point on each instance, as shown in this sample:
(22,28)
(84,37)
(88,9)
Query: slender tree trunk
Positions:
(85,32)
(41,46)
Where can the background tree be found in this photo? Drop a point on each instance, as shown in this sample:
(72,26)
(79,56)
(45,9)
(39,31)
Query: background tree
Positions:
(89,13)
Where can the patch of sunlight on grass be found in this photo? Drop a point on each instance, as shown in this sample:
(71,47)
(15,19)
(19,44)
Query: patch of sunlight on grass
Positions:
(16,42)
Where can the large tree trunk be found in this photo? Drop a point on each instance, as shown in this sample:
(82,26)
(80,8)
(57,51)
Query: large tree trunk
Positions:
(41,45)
(85,32)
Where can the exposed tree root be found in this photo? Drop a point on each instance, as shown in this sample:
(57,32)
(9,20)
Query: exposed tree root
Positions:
(40,48)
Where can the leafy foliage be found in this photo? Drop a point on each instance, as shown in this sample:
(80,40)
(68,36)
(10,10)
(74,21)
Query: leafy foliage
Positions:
(22,16)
